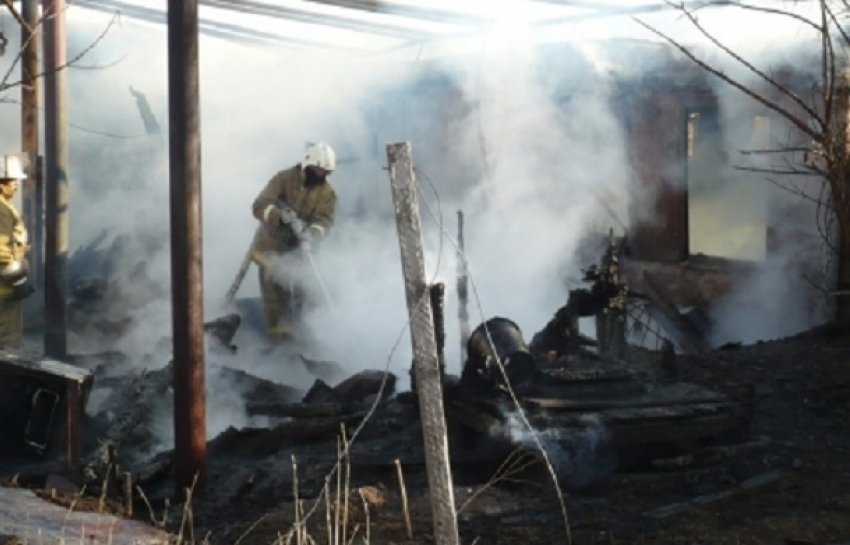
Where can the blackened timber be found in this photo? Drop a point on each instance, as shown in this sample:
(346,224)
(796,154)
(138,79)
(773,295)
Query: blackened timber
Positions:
(186,247)
(744,486)
(302,410)
(685,334)
(438,310)
(462,288)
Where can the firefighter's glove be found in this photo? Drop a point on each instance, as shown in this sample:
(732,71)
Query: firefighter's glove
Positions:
(288,216)
(310,236)
(298,227)
(15,272)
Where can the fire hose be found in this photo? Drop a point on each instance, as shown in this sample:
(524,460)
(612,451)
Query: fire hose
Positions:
(305,247)
(297,227)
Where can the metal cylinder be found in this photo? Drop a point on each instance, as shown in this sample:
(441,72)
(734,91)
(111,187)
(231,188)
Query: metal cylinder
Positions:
(499,340)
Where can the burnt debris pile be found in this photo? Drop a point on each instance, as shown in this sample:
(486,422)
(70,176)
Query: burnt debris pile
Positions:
(589,401)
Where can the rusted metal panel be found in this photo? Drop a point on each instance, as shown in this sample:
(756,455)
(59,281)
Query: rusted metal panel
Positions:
(43,397)
(658,190)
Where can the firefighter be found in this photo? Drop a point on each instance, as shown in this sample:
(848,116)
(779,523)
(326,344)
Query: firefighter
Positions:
(296,210)
(13,250)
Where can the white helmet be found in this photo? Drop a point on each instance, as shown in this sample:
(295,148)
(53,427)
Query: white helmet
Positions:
(11,168)
(319,155)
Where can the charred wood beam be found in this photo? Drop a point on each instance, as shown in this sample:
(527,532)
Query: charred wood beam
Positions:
(685,334)
(462,288)
(259,388)
(605,374)
(303,410)
(481,417)
(224,329)
(604,405)
(747,485)
(437,294)
(709,455)
(138,396)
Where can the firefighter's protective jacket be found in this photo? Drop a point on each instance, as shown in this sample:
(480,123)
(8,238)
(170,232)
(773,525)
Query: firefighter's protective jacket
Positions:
(315,205)
(13,240)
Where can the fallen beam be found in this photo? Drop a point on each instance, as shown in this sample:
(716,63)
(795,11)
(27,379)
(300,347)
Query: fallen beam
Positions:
(685,334)
(745,486)
(302,410)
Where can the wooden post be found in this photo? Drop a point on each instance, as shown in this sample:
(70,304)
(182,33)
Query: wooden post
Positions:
(31,194)
(462,288)
(56,181)
(190,443)
(425,359)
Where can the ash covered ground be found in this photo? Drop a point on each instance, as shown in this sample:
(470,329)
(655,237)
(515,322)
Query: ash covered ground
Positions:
(785,481)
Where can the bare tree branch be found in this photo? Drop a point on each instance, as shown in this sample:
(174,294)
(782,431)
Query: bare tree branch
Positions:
(796,121)
(772,82)
(827,64)
(774,11)
(72,63)
(769,151)
(15,14)
(773,170)
(837,24)
(794,190)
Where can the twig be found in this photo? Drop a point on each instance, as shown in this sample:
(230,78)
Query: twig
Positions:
(404,505)
(366,510)
(187,518)
(328,512)
(797,122)
(128,493)
(510,466)
(346,488)
(251,528)
(297,525)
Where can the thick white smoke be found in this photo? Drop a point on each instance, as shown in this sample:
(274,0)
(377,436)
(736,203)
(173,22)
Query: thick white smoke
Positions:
(520,137)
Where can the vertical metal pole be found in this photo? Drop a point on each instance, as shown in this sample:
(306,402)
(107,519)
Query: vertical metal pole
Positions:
(462,288)
(29,135)
(425,360)
(186,249)
(56,182)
